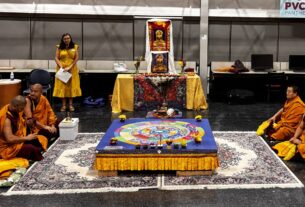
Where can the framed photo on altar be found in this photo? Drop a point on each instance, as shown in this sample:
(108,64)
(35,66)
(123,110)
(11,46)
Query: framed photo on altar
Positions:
(159,35)
(159,62)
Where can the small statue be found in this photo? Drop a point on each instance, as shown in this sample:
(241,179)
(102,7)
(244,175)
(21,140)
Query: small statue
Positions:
(68,116)
(163,108)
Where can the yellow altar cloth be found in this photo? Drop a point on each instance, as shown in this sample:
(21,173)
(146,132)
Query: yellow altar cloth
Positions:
(172,162)
(123,93)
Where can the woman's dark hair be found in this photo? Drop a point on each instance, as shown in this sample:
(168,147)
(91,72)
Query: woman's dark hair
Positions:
(62,45)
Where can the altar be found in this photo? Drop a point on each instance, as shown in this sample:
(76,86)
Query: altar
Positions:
(161,85)
(123,94)
(143,145)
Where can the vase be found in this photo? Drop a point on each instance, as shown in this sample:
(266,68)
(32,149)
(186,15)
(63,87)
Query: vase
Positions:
(137,70)
(182,71)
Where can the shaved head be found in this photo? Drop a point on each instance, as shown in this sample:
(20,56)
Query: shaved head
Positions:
(17,104)
(36,91)
(37,86)
(18,101)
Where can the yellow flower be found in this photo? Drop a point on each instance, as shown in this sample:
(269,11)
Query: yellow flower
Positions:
(183,143)
(114,139)
(182,63)
(198,139)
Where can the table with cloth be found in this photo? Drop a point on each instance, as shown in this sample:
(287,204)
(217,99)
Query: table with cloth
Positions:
(124,93)
(138,147)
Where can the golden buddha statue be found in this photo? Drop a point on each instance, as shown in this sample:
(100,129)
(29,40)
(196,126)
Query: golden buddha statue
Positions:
(159,67)
(159,44)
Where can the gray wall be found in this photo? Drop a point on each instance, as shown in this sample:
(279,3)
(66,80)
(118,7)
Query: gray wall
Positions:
(191,42)
(15,39)
(251,38)
(278,38)
(245,4)
(292,40)
(99,39)
(219,41)
(165,3)
(46,35)
(108,40)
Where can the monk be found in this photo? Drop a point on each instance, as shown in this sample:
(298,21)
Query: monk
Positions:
(299,138)
(289,117)
(39,114)
(13,139)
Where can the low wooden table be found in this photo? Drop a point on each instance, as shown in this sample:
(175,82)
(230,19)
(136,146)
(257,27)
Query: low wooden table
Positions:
(195,159)
(8,90)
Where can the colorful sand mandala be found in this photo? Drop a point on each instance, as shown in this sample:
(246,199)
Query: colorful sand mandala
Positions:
(152,131)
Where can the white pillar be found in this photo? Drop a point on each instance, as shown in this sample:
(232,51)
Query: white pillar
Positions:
(204,31)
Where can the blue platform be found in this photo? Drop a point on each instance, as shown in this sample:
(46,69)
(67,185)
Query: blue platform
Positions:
(208,144)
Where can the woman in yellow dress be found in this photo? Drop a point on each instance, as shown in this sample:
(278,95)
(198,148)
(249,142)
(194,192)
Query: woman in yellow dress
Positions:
(66,58)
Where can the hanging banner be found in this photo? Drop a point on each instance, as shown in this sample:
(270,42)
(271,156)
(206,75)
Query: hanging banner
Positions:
(292,8)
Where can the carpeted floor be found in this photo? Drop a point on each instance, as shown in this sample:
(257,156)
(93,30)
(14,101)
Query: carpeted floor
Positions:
(245,162)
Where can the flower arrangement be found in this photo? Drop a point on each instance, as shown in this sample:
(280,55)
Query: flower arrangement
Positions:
(198,139)
(198,118)
(183,143)
(137,63)
(182,64)
(122,117)
(160,75)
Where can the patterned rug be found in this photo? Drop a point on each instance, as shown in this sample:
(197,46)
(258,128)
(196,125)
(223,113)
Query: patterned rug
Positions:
(245,162)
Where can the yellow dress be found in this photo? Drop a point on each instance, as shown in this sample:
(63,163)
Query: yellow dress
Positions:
(72,87)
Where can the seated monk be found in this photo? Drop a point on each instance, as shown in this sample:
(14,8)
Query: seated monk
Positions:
(299,138)
(13,139)
(39,114)
(289,117)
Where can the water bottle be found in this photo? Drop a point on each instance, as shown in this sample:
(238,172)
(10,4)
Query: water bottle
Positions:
(12,76)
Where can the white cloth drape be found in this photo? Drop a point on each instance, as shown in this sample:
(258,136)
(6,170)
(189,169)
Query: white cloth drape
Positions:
(148,54)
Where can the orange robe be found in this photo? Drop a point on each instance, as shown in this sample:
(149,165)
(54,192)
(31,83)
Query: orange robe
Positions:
(8,150)
(43,113)
(293,111)
(301,147)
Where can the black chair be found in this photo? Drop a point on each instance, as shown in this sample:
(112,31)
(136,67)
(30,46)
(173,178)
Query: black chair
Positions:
(42,77)
(276,83)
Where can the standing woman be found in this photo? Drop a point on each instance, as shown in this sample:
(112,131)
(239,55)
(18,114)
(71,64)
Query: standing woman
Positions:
(66,58)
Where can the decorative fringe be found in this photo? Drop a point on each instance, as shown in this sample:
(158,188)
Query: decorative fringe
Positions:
(134,162)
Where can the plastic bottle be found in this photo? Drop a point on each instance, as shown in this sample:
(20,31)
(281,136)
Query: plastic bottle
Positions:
(12,76)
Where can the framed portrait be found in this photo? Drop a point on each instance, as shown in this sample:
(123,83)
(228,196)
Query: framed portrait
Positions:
(159,62)
(159,35)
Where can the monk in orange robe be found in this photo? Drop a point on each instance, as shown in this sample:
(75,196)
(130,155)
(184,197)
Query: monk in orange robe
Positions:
(289,116)
(39,114)
(299,138)
(13,139)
